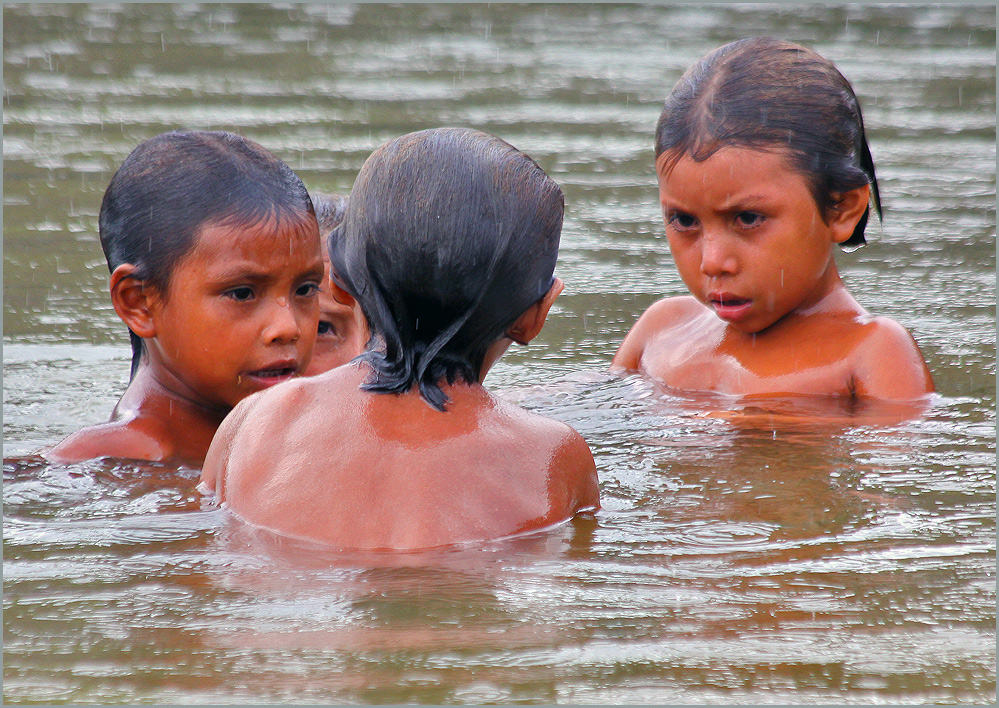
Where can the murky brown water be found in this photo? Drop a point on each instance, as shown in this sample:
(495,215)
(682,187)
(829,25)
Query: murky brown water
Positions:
(739,558)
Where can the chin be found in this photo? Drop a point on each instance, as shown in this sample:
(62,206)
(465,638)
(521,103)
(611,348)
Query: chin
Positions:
(748,327)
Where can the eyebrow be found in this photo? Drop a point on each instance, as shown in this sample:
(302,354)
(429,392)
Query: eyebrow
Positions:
(739,202)
(246,270)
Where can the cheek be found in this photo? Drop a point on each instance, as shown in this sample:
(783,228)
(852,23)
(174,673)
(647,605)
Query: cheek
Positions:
(307,317)
(687,258)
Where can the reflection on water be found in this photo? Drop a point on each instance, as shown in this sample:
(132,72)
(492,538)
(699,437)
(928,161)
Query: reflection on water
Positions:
(767,551)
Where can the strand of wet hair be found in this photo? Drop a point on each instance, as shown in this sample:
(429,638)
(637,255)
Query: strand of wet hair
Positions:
(395,368)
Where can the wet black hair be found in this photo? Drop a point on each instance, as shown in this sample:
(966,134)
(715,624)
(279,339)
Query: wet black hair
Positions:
(768,93)
(330,209)
(449,236)
(172,185)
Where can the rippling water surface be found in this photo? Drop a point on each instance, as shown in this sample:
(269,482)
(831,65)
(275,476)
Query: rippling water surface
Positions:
(800,553)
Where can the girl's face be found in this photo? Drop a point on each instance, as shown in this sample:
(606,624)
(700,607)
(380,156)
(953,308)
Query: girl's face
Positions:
(240,313)
(746,234)
(340,338)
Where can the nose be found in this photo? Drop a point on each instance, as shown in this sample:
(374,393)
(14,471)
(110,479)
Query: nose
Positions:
(282,325)
(717,256)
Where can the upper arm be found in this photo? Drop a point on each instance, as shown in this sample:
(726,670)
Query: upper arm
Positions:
(890,366)
(660,315)
(107,440)
(581,471)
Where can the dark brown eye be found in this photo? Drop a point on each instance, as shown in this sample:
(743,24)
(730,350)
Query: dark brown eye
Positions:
(241,294)
(680,221)
(326,328)
(307,290)
(749,219)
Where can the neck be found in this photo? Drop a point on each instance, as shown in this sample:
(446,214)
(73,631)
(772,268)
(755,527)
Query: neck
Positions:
(493,355)
(188,426)
(832,297)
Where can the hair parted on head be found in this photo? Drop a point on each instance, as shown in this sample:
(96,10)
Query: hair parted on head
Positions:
(769,93)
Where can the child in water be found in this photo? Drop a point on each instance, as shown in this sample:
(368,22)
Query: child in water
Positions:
(449,245)
(763,165)
(342,330)
(215,263)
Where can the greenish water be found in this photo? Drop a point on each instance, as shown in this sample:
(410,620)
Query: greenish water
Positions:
(737,560)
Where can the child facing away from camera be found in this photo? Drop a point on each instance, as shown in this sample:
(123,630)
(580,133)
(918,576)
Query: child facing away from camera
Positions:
(215,263)
(763,166)
(342,331)
(449,245)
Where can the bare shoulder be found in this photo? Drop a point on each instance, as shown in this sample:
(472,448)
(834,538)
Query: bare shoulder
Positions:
(128,440)
(231,433)
(258,425)
(888,363)
(579,472)
(275,404)
(569,459)
(661,316)
(214,468)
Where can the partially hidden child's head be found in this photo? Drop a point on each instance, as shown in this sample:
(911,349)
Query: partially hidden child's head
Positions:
(342,331)
(180,188)
(450,235)
(770,94)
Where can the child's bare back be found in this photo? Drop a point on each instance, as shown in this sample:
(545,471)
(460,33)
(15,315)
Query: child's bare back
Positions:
(390,472)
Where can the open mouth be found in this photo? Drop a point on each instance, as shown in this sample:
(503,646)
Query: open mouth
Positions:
(729,301)
(273,374)
(729,307)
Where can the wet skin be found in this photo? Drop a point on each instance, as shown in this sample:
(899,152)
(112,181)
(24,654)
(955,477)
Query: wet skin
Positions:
(768,313)
(320,459)
(239,316)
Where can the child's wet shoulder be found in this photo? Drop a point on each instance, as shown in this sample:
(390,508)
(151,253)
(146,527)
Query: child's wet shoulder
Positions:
(660,317)
(667,314)
(671,310)
(542,432)
(888,363)
(127,440)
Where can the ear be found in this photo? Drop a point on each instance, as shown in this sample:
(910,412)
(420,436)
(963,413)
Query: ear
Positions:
(132,301)
(846,213)
(529,324)
(339,294)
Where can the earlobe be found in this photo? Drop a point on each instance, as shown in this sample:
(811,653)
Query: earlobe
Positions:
(847,212)
(132,301)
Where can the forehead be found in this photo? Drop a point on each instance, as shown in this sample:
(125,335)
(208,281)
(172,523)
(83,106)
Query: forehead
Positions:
(269,239)
(728,171)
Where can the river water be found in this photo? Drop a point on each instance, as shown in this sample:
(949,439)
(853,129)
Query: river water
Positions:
(793,554)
